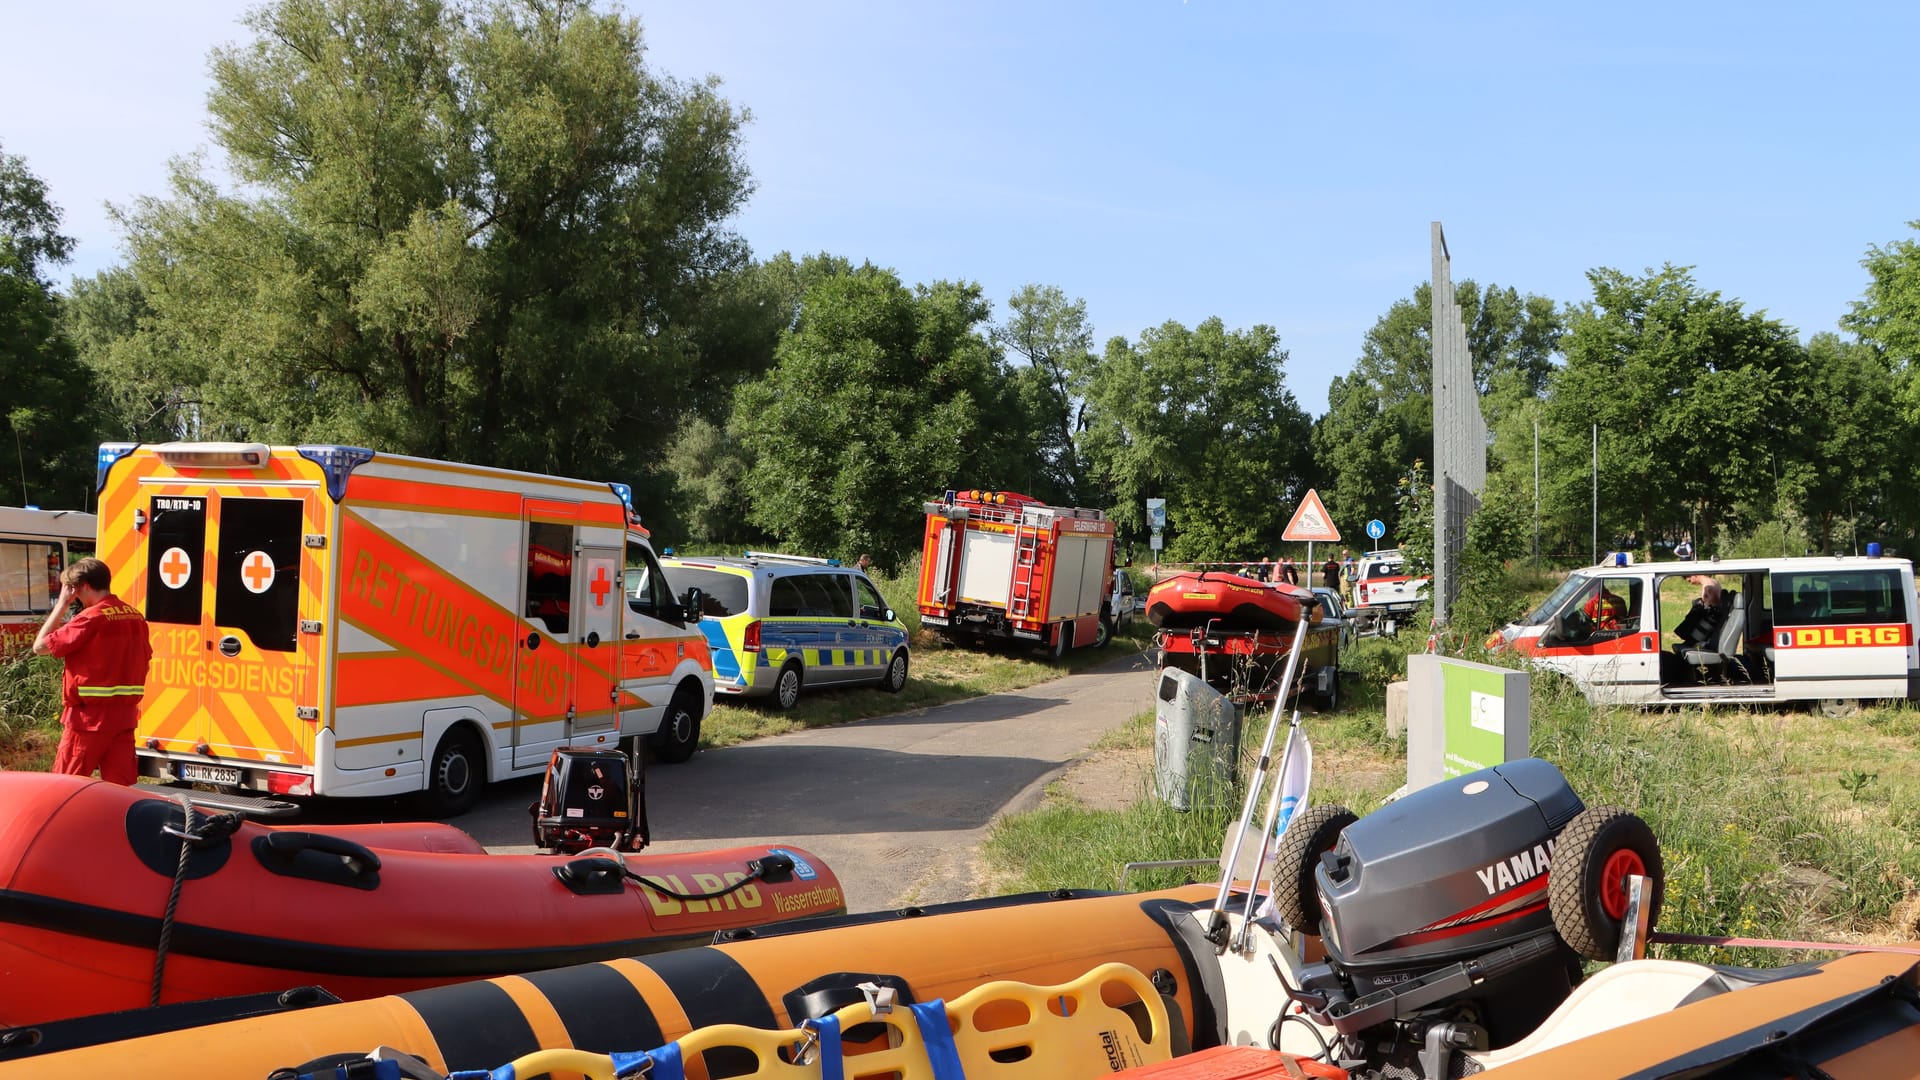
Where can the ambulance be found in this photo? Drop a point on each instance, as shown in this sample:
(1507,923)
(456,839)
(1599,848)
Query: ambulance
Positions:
(35,545)
(328,620)
(1832,630)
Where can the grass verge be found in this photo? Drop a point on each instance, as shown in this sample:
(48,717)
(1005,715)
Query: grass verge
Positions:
(29,712)
(940,674)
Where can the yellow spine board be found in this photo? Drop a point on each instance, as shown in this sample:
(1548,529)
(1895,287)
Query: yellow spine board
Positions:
(1009,1030)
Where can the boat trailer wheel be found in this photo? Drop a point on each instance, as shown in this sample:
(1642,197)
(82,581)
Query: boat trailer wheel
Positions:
(1587,887)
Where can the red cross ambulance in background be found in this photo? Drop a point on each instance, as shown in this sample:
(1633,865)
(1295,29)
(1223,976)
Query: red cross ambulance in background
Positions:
(327,620)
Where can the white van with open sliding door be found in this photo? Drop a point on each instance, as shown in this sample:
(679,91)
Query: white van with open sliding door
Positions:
(1734,631)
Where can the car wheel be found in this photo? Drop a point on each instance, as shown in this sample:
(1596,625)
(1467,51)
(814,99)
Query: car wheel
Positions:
(455,774)
(786,689)
(1105,635)
(896,677)
(1329,699)
(679,734)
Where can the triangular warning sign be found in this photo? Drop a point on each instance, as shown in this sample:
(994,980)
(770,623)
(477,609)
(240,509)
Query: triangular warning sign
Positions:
(1311,521)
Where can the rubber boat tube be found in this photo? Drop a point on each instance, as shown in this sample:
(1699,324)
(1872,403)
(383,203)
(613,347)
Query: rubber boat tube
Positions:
(1229,601)
(86,869)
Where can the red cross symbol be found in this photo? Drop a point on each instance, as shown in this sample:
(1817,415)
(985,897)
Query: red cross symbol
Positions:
(175,567)
(600,586)
(257,571)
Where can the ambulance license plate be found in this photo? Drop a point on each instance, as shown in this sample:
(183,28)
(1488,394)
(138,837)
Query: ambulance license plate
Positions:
(195,773)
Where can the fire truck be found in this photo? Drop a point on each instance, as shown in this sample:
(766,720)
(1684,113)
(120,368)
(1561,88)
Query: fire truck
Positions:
(1000,565)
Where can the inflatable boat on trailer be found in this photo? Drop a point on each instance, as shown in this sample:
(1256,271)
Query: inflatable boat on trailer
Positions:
(94,890)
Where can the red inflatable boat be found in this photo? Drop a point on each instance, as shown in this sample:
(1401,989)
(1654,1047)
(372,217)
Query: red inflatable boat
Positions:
(1226,601)
(86,869)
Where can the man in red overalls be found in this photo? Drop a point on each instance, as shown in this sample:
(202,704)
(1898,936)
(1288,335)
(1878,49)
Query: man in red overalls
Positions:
(106,650)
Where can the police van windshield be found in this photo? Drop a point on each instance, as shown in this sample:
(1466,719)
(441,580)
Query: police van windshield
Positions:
(721,594)
(1553,603)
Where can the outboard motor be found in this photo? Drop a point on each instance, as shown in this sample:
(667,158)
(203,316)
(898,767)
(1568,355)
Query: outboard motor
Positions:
(1454,918)
(592,797)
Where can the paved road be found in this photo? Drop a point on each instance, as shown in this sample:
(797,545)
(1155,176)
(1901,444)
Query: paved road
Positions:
(895,805)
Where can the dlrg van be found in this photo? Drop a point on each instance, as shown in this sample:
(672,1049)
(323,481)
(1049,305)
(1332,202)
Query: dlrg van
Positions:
(327,620)
(1832,629)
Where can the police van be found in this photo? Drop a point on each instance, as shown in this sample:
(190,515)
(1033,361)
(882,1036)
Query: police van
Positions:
(775,623)
(328,620)
(1835,630)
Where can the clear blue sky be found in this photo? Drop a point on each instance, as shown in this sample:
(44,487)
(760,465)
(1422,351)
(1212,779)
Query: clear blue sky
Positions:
(1263,162)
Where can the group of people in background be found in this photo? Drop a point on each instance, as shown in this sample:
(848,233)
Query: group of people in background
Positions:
(1335,572)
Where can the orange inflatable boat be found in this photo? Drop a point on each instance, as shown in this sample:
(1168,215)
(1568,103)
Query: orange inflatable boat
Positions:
(1229,601)
(88,869)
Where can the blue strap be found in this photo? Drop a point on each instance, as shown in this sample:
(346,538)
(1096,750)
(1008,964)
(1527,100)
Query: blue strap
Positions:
(833,1062)
(665,1061)
(941,1053)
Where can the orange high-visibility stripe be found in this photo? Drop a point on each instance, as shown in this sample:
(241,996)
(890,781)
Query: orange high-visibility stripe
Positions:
(419,495)
(384,678)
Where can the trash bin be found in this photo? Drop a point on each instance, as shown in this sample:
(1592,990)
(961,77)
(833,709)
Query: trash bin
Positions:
(1196,741)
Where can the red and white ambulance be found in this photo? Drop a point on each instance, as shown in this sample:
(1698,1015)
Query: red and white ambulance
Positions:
(328,620)
(1836,630)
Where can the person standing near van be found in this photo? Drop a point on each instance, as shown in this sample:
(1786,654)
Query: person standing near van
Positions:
(1330,573)
(106,650)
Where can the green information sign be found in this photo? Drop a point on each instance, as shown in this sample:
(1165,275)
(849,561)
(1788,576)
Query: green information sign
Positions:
(1462,717)
(1473,700)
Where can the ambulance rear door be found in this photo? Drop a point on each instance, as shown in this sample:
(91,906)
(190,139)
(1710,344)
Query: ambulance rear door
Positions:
(230,583)
(1841,632)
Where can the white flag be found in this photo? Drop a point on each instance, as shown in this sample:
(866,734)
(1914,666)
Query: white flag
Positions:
(1295,778)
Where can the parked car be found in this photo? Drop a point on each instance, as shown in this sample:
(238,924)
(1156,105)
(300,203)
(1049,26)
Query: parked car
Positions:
(1334,613)
(1120,603)
(777,623)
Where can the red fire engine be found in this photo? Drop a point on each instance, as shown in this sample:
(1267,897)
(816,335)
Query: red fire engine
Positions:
(1002,565)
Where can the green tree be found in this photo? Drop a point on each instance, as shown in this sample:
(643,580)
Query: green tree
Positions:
(1853,445)
(483,231)
(881,397)
(710,468)
(1050,337)
(47,420)
(1698,403)
(1203,418)
(1380,415)
(102,316)
(1888,317)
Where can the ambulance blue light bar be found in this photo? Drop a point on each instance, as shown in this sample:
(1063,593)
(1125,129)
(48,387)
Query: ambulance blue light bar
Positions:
(109,453)
(338,462)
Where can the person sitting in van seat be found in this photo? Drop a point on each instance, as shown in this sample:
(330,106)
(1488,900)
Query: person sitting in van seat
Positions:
(1605,609)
